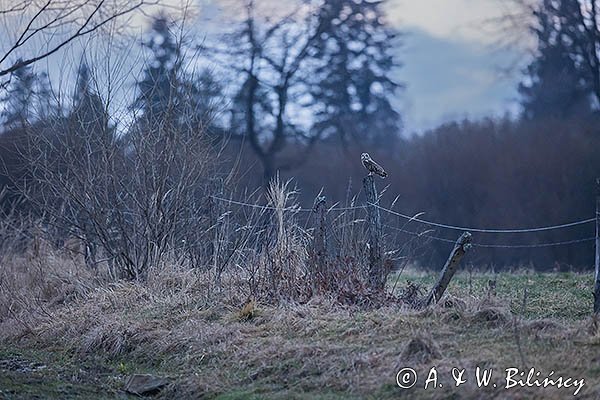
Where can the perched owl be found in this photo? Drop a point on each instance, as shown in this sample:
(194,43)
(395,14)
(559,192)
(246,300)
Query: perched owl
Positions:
(372,166)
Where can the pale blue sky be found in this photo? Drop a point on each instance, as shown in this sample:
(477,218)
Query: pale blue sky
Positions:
(448,79)
(451,62)
(453,67)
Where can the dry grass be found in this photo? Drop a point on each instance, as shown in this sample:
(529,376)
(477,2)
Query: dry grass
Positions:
(33,285)
(234,347)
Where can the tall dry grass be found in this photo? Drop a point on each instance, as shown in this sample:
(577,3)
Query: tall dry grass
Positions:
(251,256)
(35,280)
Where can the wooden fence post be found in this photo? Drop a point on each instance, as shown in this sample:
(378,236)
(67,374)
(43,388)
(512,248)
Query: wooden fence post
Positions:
(463,244)
(376,275)
(597,258)
(321,276)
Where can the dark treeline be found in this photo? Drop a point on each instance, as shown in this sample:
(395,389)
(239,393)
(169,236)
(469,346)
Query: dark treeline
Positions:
(537,170)
(310,92)
(485,174)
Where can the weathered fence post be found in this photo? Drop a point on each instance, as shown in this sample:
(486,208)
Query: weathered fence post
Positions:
(321,277)
(463,244)
(597,258)
(214,211)
(376,275)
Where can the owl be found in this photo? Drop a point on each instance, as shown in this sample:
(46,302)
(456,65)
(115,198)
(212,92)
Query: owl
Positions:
(372,166)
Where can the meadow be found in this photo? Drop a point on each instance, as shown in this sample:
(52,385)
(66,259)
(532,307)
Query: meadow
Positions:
(66,334)
(185,211)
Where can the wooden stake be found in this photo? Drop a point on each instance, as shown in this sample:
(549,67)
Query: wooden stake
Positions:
(597,258)
(376,275)
(321,276)
(463,244)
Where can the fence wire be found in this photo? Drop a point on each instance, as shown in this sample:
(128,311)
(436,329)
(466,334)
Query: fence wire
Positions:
(417,219)
(531,246)
(426,234)
(491,245)
(295,209)
(486,230)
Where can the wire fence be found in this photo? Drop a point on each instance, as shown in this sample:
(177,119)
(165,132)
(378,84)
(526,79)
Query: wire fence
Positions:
(427,234)
(487,230)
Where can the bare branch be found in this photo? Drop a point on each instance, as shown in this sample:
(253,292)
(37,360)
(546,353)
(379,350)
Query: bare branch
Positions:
(65,11)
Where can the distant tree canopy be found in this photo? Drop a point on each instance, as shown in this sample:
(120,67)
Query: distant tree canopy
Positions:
(169,96)
(352,87)
(564,78)
(18,100)
(332,59)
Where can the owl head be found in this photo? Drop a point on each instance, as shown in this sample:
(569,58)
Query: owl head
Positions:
(365,156)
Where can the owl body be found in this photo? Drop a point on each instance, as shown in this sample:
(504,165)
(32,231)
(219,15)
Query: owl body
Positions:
(372,166)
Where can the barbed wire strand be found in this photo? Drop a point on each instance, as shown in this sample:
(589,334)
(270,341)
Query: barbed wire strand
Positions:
(422,234)
(531,246)
(417,219)
(490,245)
(485,230)
(297,209)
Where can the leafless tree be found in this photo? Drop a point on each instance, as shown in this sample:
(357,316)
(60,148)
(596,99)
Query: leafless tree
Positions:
(575,22)
(272,61)
(56,23)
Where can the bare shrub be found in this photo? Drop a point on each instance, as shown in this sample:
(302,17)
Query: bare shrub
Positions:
(128,199)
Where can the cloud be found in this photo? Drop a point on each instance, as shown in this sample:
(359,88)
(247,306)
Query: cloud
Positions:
(459,19)
(449,79)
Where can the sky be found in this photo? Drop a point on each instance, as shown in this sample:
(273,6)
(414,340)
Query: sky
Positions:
(453,66)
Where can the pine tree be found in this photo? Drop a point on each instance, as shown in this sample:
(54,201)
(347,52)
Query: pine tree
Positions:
(88,109)
(157,99)
(353,85)
(202,99)
(555,84)
(47,106)
(18,103)
(168,96)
